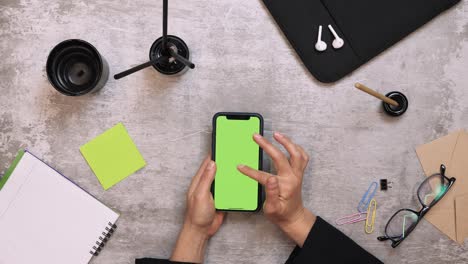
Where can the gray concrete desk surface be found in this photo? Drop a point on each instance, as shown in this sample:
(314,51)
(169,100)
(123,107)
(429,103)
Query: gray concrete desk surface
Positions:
(350,140)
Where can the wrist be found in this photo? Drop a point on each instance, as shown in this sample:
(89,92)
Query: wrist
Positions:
(195,232)
(298,227)
(191,244)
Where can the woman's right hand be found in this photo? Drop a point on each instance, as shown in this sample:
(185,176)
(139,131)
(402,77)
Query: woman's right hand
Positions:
(283,205)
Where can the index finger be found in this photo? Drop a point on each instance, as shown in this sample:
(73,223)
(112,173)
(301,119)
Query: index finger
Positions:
(260,176)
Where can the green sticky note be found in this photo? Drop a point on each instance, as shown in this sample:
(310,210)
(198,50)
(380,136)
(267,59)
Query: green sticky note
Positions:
(112,156)
(10,170)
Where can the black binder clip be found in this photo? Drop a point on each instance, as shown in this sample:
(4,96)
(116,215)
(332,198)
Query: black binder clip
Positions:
(385,184)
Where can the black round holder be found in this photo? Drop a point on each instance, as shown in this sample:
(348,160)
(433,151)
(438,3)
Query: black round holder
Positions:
(75,67)
(402,104)
(168,65)
(168,55)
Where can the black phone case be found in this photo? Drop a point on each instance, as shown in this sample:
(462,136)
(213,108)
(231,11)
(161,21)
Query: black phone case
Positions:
(368,27)
(260,155)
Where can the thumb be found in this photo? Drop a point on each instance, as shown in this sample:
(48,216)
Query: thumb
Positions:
(272,195)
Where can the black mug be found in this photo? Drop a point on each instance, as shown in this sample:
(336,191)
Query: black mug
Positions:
(75,67)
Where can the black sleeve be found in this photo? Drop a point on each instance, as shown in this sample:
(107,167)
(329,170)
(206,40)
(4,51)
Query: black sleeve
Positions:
(158,261)
(326,244)
(321,246)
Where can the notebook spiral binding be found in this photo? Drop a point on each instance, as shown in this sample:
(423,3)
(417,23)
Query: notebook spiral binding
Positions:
(102,240)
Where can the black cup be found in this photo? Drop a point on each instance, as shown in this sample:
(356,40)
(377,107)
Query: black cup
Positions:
(402,104)
(75,67)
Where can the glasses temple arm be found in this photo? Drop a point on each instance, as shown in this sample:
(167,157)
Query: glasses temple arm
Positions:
(442,169)
(383,238)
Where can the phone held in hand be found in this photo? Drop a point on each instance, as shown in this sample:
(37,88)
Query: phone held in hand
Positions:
(233,144)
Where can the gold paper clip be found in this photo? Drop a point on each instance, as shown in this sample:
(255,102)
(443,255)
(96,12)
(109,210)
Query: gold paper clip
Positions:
(370,219)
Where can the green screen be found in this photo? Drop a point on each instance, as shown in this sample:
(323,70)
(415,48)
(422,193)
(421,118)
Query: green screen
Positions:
(235,145)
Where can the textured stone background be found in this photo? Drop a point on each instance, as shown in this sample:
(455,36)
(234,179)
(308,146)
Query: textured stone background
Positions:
(349,138)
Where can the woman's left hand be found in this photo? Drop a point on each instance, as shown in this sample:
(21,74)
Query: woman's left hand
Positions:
(201,219)
(201,214)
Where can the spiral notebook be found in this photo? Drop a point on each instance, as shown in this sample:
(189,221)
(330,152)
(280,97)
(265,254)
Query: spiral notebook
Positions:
(46,218)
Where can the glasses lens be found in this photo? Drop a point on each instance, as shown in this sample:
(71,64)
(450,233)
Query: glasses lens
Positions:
(400,224)
(432,189)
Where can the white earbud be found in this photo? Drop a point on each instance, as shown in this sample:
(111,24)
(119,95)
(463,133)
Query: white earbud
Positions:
(338,42)
(320,45)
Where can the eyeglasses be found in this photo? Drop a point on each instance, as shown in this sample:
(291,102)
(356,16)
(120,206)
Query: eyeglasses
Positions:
(404,221)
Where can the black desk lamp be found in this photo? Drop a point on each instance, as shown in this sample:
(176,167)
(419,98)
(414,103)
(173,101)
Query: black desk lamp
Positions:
(168,55)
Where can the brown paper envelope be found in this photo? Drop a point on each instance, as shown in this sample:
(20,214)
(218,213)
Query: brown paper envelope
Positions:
(437,152)
(461,212)
(431,155)
(459,169)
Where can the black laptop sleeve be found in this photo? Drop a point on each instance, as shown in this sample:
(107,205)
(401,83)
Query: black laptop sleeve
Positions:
(368,27)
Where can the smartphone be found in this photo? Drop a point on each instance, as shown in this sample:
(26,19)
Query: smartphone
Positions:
(233,144)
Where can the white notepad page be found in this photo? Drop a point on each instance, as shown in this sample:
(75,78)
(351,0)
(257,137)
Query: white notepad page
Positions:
(45,218)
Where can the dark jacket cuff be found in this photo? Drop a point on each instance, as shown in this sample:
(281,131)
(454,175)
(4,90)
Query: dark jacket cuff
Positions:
(326,244)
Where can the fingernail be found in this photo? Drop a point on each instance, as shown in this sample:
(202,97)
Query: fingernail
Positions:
(257,136)
(240,166)
(278,134)
(211,165)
